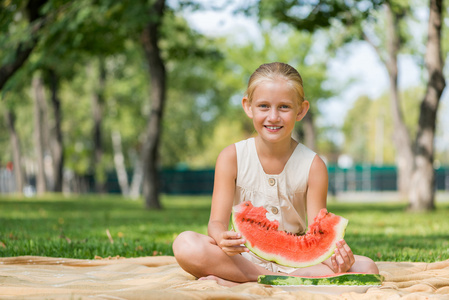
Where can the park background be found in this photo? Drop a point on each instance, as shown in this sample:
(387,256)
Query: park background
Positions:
(111,107)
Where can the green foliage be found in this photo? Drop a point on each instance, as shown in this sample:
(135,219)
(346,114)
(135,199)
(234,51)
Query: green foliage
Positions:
(196,95)
(311,15)
(206,77)
(225,133)
(76,227)
(79,33)
(369,125)
(14,28)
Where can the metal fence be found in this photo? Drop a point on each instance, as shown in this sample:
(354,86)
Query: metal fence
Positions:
(7,181)
(358,178)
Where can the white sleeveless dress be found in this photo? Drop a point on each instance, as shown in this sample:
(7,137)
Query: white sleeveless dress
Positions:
(282,195)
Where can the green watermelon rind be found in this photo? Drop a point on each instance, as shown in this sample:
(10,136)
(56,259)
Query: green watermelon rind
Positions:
(346,279)
(341,228)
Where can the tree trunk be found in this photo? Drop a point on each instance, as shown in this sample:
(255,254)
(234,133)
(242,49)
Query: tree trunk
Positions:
(119,162)
(57,148)
(16,153)
(149,39)
(39,98)
(422,189)
(97,111)
(136,183)
(401,136)
(309,131)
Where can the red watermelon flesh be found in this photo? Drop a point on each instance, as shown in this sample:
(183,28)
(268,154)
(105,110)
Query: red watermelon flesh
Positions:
(263,238)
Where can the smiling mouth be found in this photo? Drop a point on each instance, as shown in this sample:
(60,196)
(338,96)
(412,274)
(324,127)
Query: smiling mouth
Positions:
(273,127)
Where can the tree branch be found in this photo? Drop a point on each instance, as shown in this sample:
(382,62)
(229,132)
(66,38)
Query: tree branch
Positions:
(24,49)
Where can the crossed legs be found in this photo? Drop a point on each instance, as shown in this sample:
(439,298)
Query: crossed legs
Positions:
(200,256)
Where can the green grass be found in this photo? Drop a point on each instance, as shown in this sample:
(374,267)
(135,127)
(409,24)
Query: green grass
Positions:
(76,227)
(386,232)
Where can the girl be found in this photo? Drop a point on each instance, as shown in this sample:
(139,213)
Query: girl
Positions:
(270,170)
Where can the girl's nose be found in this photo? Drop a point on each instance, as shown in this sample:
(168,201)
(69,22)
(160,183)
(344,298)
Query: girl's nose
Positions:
(273,116)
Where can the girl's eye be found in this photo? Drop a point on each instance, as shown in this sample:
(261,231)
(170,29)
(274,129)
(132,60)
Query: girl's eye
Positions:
(285,106)
(263,106)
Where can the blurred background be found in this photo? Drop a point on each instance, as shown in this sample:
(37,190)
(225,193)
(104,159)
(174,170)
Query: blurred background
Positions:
(139,97)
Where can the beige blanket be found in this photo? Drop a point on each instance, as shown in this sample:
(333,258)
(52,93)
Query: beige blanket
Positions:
(160,277)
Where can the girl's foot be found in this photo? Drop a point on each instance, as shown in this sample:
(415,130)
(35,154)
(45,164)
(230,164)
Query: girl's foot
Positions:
(220,281)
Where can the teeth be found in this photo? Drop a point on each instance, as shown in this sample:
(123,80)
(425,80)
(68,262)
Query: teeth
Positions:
(273,127)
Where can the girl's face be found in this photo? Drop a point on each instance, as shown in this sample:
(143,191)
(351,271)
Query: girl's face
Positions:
(275,108)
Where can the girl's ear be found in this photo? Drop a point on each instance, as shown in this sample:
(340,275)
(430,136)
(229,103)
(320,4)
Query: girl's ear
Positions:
(303,110)
(247,107)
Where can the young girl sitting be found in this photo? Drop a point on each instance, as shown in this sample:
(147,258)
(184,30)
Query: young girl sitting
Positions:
(271,170)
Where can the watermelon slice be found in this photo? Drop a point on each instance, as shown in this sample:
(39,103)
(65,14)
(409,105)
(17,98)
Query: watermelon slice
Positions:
(264,240)
(347,279)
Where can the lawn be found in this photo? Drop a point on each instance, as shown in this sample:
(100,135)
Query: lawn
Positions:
(89,226)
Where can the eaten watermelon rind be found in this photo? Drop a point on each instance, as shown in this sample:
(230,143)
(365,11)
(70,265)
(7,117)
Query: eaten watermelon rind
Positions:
(341,228)
(343,279)
(280,258)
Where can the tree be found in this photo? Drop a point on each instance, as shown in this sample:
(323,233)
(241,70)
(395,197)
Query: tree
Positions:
(12,63)
(40,130)
(415,158)
(98,103)
(422,190)
(56,143)
(68,32)
(10,118)
(150,39)
(401,136)
(312,16)
(415,161)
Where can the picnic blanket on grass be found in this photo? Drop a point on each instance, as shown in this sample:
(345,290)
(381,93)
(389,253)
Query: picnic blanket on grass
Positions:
(160,277)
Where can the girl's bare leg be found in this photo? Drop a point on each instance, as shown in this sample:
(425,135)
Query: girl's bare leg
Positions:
(364,264)
(316,270)
(200,256)
(220,281)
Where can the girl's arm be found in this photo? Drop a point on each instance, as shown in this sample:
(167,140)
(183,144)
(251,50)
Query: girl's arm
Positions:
(343,258)
(222,200)
(317,188)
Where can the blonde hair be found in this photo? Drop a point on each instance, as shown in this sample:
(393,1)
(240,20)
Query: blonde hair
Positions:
(272,72)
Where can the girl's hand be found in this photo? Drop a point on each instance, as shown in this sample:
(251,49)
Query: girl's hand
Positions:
(343,259)
(232,243)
